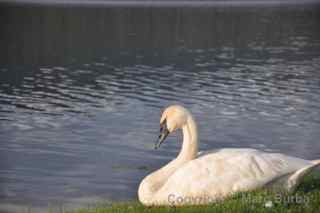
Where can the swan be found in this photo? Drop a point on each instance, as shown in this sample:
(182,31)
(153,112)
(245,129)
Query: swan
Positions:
(194,178)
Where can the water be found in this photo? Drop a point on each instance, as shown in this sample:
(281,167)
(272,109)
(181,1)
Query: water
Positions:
(82,89)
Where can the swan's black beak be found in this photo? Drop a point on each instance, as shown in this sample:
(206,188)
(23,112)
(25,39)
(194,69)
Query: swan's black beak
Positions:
(164,132)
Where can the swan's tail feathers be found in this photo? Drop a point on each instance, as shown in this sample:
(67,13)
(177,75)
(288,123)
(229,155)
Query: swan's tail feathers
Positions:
(296,178)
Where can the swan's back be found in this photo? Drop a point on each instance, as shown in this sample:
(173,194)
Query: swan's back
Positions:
(218,173)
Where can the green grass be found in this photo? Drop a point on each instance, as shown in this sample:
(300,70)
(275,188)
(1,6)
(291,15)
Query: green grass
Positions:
(305,199)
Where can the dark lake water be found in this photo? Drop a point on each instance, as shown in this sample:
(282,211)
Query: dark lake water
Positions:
(82,89)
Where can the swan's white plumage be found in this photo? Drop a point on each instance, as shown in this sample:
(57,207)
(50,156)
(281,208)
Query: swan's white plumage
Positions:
(194,179)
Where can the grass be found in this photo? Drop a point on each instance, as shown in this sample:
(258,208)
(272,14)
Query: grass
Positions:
(305,199)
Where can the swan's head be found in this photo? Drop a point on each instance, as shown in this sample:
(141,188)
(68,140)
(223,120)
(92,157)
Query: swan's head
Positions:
(173,117)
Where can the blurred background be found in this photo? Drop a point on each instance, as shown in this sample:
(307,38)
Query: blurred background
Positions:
(83,84)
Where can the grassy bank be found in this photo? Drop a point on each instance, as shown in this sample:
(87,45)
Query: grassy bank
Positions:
(306,199)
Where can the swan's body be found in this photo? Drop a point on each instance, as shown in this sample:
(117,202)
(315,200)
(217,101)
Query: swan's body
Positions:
(200,178)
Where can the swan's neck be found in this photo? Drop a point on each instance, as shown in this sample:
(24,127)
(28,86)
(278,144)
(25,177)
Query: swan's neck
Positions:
(153,182)
(189,148)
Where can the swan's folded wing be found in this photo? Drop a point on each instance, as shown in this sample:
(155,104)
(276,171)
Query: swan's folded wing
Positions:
(223,172)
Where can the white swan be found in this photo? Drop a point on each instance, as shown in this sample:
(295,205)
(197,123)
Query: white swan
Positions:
(200,178)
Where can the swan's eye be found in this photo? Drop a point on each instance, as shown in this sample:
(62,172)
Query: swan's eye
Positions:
(163,125)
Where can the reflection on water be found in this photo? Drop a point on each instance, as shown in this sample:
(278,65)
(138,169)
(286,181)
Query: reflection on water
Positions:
(81,91)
